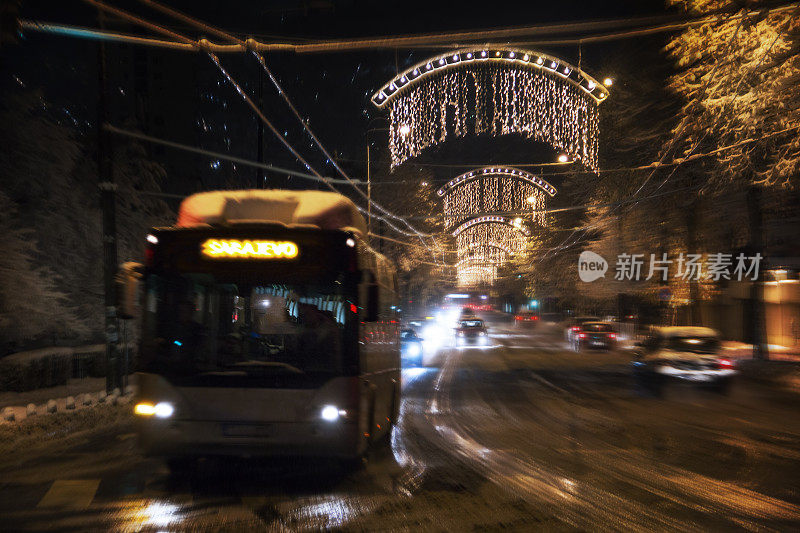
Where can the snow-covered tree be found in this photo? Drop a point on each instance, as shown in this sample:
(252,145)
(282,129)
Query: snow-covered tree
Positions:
(32,307)
(48,175)
(738,78)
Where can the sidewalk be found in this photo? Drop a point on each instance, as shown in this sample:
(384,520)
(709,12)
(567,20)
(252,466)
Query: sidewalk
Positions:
(74,387)
(741,350)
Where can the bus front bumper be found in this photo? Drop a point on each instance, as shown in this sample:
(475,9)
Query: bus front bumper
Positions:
(191,438)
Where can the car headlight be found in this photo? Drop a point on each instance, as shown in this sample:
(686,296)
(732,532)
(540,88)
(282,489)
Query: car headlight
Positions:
(413,349)
(331,413)
(159,410)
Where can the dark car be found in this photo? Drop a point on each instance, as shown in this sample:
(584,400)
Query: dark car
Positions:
(526,318)
(599,335)
(682,354)
(411,350)
(471,331)
(467,312)
(575,324)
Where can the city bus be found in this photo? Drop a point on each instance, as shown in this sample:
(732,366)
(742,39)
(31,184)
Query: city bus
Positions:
(268,328)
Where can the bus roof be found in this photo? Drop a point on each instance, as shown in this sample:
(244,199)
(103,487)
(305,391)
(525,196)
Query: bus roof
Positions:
(325,210)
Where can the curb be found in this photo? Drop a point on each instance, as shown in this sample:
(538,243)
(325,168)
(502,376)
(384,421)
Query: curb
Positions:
(18,413)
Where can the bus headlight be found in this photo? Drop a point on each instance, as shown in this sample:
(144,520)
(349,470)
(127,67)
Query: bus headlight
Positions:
(331,413)
(159,410)
(413,350)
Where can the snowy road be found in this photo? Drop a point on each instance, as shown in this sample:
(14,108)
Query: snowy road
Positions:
(520,435)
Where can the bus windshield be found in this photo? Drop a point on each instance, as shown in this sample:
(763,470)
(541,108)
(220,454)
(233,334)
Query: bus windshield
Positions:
(218,331)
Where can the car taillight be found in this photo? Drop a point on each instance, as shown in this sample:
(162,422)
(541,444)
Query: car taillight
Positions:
(581,335)
(724,364)
(575,328)
(535,318)
(612,335)
(517,317)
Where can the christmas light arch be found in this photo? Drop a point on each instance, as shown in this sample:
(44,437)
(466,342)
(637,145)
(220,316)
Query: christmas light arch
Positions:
(508,172)
(476,275)
(500,247)
(506,90)
(495,190)
(511,236)
(518,226)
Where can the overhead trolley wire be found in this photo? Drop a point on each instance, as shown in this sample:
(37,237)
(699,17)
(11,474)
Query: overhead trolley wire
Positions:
(199,46)
(218,155)
(205,27)
(629,28)
(262,62)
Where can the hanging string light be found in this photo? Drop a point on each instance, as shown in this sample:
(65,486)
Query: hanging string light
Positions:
(494,190)
(484,239)
(494,91)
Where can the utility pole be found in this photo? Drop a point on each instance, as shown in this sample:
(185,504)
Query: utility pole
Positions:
(108,189)
(757,324)
(369,198)
(261,178)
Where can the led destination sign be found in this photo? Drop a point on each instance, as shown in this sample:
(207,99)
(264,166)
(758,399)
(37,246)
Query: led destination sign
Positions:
(249,249)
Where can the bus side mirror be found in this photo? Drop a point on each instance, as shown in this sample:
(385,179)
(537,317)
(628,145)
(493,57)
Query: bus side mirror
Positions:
(372,302)
(127,282)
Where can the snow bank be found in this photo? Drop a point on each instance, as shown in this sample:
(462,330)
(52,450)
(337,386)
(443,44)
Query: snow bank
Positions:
(326,210)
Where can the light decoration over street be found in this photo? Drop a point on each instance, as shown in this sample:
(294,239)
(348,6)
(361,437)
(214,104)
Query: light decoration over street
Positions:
(498,189)
(490,211)
(493,90)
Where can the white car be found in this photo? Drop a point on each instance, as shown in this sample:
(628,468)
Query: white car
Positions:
(688,354)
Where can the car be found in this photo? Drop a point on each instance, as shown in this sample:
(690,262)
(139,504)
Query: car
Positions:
(575,324)
(682,354)
(467,312)
(411,350)
(472,331)
(599,335)
(526,318)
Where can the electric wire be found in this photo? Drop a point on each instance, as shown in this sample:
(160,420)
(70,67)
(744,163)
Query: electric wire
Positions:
(666,152)
(654,164)
(201,46)
(735,91)
(428,41)
(217,155)
(205,27)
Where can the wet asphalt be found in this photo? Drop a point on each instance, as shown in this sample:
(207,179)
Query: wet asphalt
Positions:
(520,435)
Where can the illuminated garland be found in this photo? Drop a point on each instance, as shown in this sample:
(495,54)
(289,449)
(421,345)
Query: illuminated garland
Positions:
(494,190)
(499,97)
(510,172)
(472,275)
(481,234)
(485,239)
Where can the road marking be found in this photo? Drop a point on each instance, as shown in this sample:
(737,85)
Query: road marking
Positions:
(70,494)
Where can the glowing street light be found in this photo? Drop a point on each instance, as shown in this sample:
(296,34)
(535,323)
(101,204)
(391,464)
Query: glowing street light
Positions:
(608,82)
(563,158)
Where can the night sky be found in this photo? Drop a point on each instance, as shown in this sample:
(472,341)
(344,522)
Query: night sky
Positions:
(331,90)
